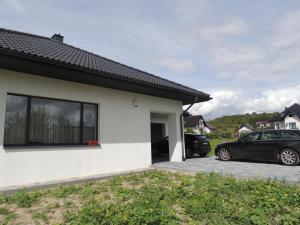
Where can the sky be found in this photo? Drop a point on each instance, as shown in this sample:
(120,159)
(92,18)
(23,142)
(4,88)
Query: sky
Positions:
(245,54)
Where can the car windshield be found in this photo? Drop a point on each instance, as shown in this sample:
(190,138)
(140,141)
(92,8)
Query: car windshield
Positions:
(251,137)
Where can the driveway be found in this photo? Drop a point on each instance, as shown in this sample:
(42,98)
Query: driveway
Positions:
(235,168)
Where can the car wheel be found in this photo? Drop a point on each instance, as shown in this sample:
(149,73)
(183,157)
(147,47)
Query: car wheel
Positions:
(289,157)
(224,154)
(188,153)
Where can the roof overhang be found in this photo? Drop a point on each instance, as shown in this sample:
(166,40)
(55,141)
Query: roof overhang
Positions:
(33,65)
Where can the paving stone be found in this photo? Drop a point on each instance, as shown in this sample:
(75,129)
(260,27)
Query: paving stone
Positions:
(243,169)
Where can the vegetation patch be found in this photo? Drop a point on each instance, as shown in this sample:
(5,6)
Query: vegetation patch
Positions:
(156,197)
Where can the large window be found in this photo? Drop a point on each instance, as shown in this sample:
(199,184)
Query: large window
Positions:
(292,126)
(41,121)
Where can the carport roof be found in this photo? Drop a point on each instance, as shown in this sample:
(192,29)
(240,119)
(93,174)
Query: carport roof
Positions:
(51,57)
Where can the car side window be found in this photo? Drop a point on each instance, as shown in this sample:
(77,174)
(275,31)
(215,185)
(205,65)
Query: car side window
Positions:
(287,135)
(270,135)
(251,137)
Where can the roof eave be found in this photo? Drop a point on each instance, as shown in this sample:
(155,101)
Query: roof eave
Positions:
(51,68)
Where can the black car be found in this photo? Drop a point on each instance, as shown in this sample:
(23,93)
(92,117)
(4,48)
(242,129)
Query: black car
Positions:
(196,145)
(269,145)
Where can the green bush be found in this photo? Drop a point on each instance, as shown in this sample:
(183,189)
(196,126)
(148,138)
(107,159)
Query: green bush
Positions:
(212,135)
(189,130)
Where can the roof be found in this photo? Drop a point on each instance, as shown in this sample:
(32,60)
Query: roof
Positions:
(295,109)
(24,48)
(192,121)
(211,127)
(247,125)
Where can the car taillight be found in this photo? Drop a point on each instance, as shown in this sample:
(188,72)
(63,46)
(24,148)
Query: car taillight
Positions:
(195,142)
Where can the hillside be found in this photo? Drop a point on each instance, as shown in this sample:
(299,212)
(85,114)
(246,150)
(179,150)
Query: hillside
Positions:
(228,125)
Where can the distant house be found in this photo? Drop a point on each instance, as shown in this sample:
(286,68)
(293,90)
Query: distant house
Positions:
(288,119)
(263,124)
(197,124)
(245,129)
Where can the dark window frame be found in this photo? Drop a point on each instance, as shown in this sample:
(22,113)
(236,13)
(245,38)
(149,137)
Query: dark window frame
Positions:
(28,117)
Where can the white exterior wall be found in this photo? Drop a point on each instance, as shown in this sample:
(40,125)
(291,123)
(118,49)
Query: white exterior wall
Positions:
(280,125)
(294,119)
(244,130)
(124,132)
(207,130)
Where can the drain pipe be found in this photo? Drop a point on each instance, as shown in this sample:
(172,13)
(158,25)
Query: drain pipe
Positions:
(182,128)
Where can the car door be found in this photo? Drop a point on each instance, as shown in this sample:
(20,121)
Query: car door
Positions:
(267,147)
(243,148)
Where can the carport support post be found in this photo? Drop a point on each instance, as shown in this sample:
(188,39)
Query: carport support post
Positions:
(174,126)
(182,128)
(2,116)
(182,137)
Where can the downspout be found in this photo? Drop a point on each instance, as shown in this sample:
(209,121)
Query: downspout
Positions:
(182,128)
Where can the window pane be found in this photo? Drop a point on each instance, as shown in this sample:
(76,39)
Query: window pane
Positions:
(251,137)
(15,120)
(54,122)
(270,136)
(292,126)
(289,135)
(89,122)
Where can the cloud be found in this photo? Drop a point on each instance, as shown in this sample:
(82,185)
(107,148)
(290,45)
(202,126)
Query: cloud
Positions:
(16,5)
(270,58)
(228,102)
(237,56)
(176,65)
(233,27)
(224,102)
(287,32)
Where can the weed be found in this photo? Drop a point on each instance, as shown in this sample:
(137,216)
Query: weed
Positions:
(65,191)
(4,211)
(25,199)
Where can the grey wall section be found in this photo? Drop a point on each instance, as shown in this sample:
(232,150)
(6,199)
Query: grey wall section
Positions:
(124,132)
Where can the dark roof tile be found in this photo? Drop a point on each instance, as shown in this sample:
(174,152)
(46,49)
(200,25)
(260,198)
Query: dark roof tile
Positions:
(47,48)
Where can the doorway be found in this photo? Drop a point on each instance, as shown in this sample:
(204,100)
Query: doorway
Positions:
(159,138)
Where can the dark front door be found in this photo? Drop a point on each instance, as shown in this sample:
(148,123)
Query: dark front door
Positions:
(157,132)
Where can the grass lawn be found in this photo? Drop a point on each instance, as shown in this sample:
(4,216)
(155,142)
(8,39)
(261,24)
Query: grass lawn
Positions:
(215,142)
(155,197)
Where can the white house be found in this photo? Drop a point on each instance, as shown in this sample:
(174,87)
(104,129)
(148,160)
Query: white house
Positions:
(197,124)
(288,119)
(66,113)
(245,129)
(263,124)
